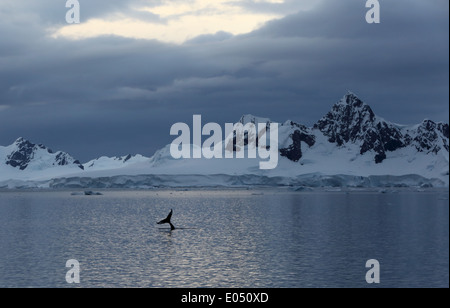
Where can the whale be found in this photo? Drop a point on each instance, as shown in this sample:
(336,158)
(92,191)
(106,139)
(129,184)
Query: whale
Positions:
(167,220)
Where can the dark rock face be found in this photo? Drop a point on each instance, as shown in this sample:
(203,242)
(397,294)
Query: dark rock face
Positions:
(348,121)
(25,152)
(127,158)
(246,119)
(428,135)
(351,120)
(443,128)
(301,133)
(391,137)
(22,156)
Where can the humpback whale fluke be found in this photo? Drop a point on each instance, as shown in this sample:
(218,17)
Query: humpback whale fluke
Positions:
(167,221)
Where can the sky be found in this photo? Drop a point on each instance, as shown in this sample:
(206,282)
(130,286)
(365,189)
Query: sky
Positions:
(116,82)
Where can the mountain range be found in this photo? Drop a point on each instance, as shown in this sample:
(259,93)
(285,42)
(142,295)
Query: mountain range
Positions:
(350,144)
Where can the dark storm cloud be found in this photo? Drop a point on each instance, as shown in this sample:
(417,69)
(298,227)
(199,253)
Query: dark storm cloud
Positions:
(113,96)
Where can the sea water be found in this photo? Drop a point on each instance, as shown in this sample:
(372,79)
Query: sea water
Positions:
(225,238)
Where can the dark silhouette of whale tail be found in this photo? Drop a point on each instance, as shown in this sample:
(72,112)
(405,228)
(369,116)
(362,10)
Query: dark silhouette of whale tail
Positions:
(167,221)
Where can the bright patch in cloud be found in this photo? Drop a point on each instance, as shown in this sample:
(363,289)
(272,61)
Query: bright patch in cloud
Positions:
(183,20)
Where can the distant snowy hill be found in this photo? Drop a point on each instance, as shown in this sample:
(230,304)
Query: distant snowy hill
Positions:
(107,163)
(349,146)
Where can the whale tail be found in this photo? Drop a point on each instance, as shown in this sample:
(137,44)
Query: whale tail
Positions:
(167,221)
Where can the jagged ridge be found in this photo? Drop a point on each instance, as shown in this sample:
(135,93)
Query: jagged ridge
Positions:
(24,152)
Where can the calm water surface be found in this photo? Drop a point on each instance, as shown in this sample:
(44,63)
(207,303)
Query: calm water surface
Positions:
(235,238)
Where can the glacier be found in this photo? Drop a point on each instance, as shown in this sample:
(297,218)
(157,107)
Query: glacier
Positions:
(298,183)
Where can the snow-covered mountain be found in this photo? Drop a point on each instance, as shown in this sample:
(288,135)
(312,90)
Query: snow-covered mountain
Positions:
(23,154)
(353,121)
(350,146)
(23,159)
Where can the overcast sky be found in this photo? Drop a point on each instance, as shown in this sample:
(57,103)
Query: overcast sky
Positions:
(115,83)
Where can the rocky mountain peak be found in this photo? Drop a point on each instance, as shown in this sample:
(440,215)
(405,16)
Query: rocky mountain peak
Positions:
(353,121)
(25,152)
(348,121)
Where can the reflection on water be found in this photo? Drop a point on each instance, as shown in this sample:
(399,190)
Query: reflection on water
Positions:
(233,239)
